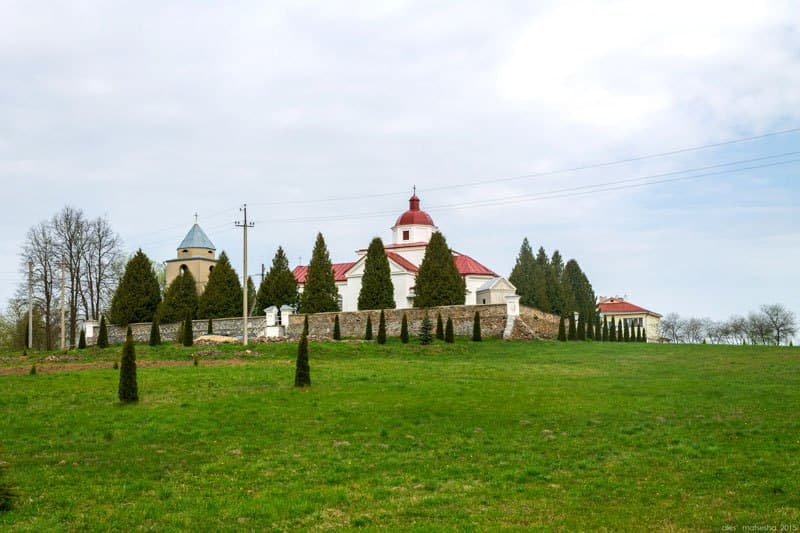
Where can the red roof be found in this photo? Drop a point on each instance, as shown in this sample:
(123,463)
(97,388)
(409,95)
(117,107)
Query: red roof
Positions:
(402,261)
(414,215)
(339,270)
(467,265)
(622,307)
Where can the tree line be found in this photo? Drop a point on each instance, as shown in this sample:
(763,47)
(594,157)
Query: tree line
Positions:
(772,324)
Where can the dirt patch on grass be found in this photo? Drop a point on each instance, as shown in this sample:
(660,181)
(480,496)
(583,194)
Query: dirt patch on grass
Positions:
(44,368)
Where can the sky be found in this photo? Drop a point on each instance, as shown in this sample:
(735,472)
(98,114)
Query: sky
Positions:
(322,116)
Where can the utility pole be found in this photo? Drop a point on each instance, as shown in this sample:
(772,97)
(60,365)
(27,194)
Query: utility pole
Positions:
(63,290)
(30,305)
(244,225)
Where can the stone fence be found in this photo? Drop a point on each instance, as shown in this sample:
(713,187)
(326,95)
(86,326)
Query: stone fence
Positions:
(496,321)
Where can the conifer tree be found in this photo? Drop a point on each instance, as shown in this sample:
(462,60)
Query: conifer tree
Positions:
(542,281)
(305,326)
(638,334)
(562,330)
(607,336)
(439,327)
(598,329)
(438,280)
(128,390)
(581,333)
(82,340)
(102,334)
(619,331)
(377,291)
(590,329)
(222,297)
(138,293)
(554,284)
(626,333)
(337,330)
(571,330)
(612,333)
(180,298)
(523,275)
(449,334)
(188,334)
(382,329)
(302,372)
(368,332)
(210,328)
(404,329)
(319,293)
(476,328)
(279,286)
(644,335)
(426,331)
(155,333)
(251,297)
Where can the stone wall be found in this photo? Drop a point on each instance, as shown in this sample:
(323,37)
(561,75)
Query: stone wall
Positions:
(493,322)
(230,327)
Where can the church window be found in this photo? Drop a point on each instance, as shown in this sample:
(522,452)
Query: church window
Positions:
(405,235)
(211,252)
(184,268)
(185,251)
(210,269)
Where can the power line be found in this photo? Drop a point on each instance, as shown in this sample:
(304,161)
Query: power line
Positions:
(543,173)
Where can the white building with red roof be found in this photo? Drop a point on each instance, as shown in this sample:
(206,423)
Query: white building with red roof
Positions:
(624,311)
(410,235)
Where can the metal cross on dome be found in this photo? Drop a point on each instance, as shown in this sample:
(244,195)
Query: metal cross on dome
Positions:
(195,218)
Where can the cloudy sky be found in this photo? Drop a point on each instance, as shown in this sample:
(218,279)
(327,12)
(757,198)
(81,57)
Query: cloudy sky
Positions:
(321,116)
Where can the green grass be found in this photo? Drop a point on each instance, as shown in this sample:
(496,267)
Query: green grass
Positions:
(471,436)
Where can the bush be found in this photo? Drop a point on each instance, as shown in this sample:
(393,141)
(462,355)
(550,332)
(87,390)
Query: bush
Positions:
(439,327)
(128,388)
(382,329)
(302,372)
(426,331)
(32,371)
(368,332)
(476,327)
(102,334)
(155,334)
(82,340)
(404,329)
(337,330)
(188,334)
(449,334)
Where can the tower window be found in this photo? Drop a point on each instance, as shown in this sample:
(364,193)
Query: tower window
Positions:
(184,268)
(210,269)
(406,234)
(185,251)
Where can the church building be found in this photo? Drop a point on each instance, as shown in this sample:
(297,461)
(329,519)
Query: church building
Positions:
(197,254)
(410,235)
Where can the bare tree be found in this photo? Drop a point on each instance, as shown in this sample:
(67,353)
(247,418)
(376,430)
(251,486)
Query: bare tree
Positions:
(737,328)
(101,268)
(759,329)
(694,331)
(782,321)
(41,250)
(672,327)
(69,227)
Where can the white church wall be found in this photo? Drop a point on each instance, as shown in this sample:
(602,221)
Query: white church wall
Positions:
(473,284)
(416,233)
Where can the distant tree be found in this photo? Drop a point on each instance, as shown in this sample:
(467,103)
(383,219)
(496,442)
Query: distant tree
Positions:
(368,332)
(82,340)
(612,333)
(576,291)
(638,333)
(581,333)
(377,291)
(155,333)
(759,329)
(620,337)
(319,293)
(222,297)
(449,334)
(128,388)
(188,334)
(138,294)
(438,280)
(644,335)
(562,330)
(337,330)
(251,297)
(302,372)
(572,333)
(425,331)
(382,329)
(523,275)
(180,298)
(606,337)
(476,327)
(590,329)
(626,334)
(305,326)
(279,286)
(598,328)
(102,334)
(672,327)
(404,329)
(210,328)
(554,284)
(439,327)
(542,281)
(782,321)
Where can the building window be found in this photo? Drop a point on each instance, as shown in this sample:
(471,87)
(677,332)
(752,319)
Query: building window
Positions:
(211,252)
(185,251)
(339,302)
(184,268)
(406,234)
(210,269)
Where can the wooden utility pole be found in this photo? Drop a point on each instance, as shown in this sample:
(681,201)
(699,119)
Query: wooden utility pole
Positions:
(30,305)
(63,290)
(244,225)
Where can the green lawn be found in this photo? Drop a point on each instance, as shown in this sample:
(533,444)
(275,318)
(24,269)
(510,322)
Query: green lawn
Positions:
(490,435)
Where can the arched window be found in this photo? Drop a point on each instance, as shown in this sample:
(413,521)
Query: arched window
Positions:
(184,268)
(210,269)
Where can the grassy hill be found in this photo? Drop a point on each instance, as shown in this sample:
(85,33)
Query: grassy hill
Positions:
(469,436)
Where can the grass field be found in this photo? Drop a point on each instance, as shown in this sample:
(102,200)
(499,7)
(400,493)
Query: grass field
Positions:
(468,436)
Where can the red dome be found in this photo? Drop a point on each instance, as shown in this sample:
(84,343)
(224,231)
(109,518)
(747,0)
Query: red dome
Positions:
(414,215)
